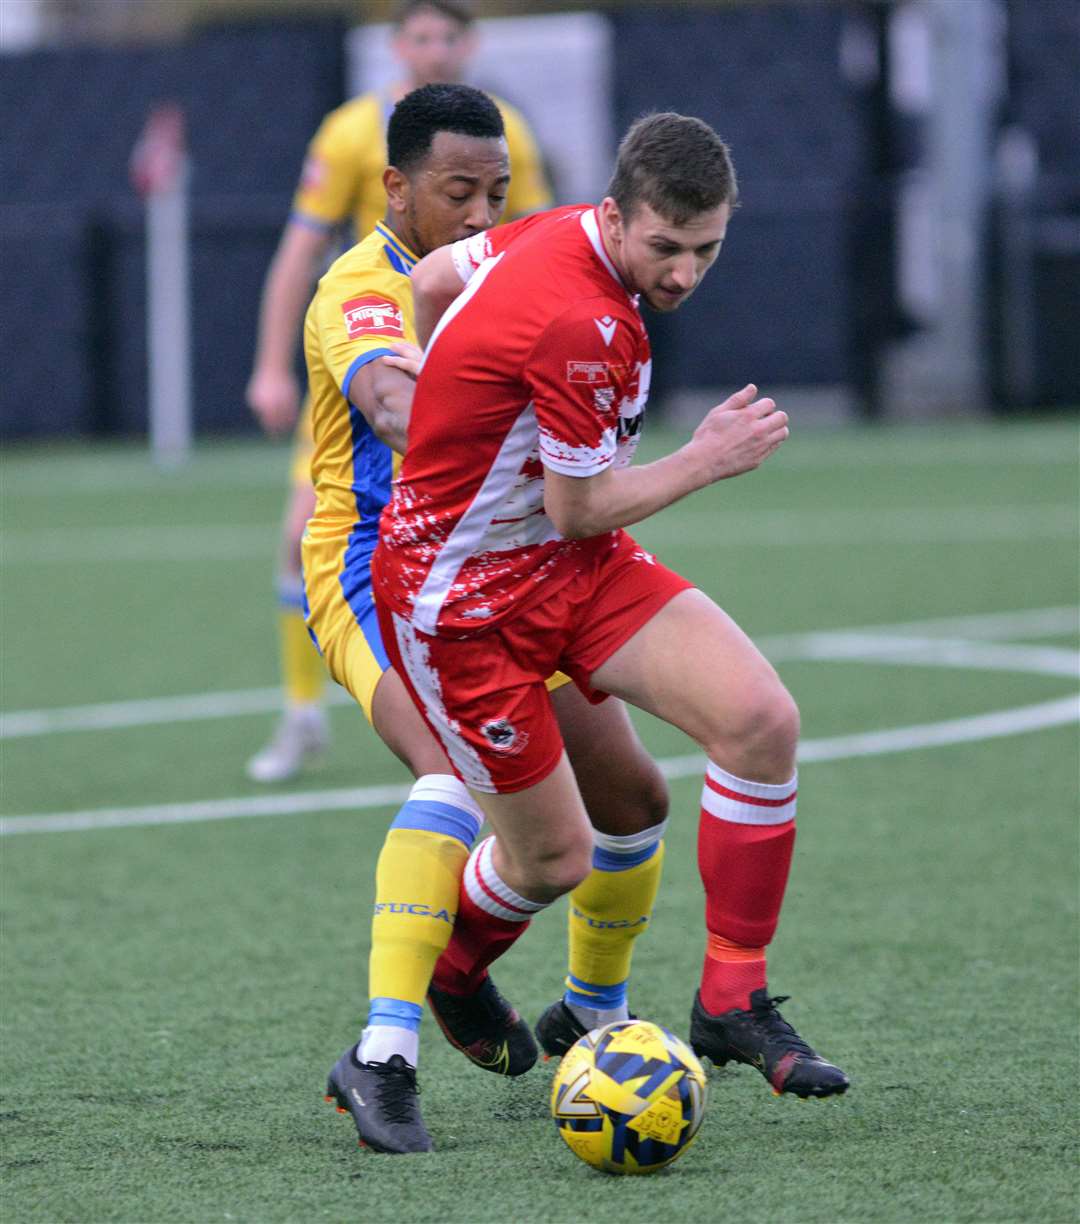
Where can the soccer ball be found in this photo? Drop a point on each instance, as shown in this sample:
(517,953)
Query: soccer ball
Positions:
(628,1097)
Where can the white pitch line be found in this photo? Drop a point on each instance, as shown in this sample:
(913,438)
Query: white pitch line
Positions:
(1059,713)
(141,544)
(1055,713)
(209,809)
(877,642)
(198,542)
(101,471)
(109,715)
(873,743)
(702,528)
(933,652)
(1025,623)
(893,449)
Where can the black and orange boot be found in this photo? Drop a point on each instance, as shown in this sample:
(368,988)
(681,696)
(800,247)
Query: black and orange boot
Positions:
(762,1038)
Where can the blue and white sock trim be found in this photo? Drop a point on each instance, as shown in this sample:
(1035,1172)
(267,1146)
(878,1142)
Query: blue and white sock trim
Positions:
(439,803)
(611,853)
(599,998)
(395,1013)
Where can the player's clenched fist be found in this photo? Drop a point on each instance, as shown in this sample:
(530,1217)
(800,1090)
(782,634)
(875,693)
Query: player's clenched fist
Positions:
(740,434)
(274,397)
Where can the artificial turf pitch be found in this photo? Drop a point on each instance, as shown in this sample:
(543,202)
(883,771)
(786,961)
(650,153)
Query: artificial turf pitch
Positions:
(173,995)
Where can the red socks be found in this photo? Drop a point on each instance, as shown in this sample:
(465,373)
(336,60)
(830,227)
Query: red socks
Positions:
(490,917)
(745,840)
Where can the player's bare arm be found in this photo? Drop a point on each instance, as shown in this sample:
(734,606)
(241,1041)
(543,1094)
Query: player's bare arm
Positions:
(435,283)
(273,393)
(735,437)
(384,394)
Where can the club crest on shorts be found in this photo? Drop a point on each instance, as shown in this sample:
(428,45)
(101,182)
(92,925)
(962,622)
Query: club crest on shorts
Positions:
(503,736)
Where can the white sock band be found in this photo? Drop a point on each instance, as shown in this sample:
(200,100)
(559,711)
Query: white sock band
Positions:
(379,1042)
(445,788)
(756,803)
(630,843)
(489,893)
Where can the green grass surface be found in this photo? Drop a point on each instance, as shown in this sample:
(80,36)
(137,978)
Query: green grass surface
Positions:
(173,996)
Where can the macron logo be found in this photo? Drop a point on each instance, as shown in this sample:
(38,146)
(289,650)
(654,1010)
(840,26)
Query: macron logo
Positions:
(607,327)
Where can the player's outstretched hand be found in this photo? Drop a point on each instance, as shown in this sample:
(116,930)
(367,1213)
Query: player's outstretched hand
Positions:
(739,434)
(274,397)
(408,357)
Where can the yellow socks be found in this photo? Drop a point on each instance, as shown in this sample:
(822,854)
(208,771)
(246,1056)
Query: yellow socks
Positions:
(609,909)
(302,670)
(417,881)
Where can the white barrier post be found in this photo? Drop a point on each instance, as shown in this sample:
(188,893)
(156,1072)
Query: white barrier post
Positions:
(160,171)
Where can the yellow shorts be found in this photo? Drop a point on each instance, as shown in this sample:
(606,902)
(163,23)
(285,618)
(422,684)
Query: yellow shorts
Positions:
(341,611)
(303,446)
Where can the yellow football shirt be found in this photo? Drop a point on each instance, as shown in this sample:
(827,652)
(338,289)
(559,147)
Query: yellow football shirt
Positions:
(361,306)
(342,176)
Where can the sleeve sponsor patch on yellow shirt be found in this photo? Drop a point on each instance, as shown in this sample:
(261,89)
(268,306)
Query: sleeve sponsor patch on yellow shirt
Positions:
(370,315)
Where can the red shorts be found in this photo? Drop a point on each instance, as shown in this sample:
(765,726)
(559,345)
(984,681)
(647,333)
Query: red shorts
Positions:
(484,696)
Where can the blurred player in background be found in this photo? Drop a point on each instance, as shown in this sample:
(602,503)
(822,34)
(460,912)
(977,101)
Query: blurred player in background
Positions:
(342,185)
(446,181)
(502,557)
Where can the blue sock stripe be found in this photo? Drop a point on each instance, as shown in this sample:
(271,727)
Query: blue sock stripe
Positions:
(434,817)
(586,994)
(394,1012)
(291,595)
(608,860)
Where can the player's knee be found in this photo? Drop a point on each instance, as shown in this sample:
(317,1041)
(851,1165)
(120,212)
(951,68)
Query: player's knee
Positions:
(652,797)
(553,874)
(765,736)
(633,800)
(781,722)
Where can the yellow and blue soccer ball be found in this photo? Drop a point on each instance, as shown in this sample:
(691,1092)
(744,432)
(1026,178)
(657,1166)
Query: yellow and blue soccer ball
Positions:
(629,1097)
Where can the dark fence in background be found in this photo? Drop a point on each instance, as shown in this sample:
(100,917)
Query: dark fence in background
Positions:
(1035,251)
(781,305)
(804,292)
(72,336)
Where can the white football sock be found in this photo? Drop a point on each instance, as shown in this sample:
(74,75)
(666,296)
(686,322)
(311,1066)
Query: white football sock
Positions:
(596,1017)
(380,1041)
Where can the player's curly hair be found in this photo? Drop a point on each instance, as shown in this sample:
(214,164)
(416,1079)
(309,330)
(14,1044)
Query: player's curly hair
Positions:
(674,163)
(438,108)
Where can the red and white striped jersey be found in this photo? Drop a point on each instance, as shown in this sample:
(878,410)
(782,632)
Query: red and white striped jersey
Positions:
(542,362)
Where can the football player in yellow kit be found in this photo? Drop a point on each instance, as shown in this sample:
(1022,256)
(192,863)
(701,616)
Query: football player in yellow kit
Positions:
(341,185)
(446,180)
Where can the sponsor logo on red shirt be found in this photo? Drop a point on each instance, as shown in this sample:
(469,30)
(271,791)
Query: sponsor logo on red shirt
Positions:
(592,373)
(366,316)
